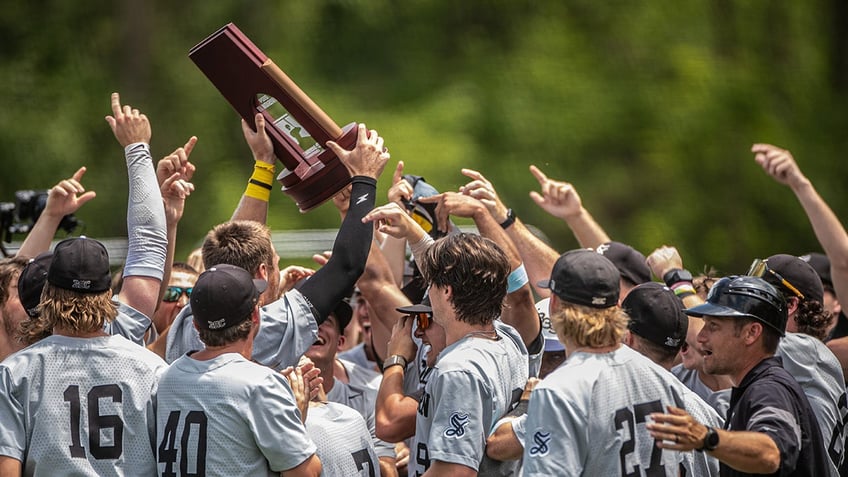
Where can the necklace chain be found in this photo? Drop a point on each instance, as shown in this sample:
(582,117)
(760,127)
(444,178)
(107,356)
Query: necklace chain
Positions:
(487,334)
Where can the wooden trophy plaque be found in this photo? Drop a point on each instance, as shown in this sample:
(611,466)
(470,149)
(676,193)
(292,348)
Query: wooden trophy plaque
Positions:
(298,128)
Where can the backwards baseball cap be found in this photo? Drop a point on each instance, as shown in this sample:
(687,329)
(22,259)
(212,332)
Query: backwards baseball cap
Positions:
(821,264)
(630,263)
(31,282)
(552,342)
(584,277)
(224,296)
(786,272)
(80,264)
(343,313)
(744,297)
(656,314)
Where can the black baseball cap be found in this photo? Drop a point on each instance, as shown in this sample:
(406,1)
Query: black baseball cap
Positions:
(656,314)
(343,313)
(423,307)
(797,272)
(585,277)
(31,282)
(80,264)
(224,296)
(632,265)
(821,264)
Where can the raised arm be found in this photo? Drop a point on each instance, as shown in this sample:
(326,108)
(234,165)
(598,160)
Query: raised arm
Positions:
(520,310)
(396,412)
(146,230)
(561,200)
(254,202)
(830,232)
(63,199)
(336,279)
(537,256)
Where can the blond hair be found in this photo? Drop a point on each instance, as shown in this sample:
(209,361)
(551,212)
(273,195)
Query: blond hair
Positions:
(590,327)
(78,312)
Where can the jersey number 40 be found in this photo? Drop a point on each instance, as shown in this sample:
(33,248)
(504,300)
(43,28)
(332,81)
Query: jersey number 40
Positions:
(194,421)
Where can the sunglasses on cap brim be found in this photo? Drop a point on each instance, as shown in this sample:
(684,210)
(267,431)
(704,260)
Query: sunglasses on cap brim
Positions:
(760,267)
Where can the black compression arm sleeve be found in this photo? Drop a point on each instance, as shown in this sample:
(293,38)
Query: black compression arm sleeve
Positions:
(336,279)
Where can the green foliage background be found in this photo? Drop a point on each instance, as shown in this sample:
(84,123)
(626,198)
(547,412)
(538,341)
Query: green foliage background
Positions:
(649,108)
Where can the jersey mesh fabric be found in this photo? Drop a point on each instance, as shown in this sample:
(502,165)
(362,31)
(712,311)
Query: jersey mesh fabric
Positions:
(51,393)
(473,383)
(343,441)
(819,373)
(588,417)
(363,400)
(287,329)
(253,426)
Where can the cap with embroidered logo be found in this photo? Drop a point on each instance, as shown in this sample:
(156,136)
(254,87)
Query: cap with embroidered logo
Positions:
(224,296)
(585,277)
(656,314)
(80,264)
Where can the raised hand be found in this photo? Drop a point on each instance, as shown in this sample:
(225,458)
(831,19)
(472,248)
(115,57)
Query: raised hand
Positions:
(480,188)
(258,141)
(559,199)
(367,158)
(779,164)
(453,203)
(664,260)
(177,162)
(67,196)
(128,124)
(401,190)
(391,219)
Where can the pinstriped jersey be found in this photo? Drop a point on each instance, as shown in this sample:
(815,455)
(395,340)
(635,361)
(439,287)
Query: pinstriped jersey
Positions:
(227,417)
(287,329)
(344,443)
(474,382)
(80,406)
(588,417)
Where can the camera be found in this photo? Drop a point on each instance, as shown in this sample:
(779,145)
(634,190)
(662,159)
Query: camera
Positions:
(18,217)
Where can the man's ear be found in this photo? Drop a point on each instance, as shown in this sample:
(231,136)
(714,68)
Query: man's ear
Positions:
(792,305)
(262,271)
(752,331)
(342,339)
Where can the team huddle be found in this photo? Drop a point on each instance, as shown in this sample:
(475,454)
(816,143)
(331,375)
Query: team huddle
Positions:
(415,349)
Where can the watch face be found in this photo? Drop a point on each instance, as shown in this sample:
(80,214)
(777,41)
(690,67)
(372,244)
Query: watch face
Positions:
(711,441)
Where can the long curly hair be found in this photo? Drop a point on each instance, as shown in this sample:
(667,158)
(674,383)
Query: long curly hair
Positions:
(590,327)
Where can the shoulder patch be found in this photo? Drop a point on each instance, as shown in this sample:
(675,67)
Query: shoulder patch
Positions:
(540,439)
(458,421)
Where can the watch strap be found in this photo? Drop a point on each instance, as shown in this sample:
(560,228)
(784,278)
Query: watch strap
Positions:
(395,360)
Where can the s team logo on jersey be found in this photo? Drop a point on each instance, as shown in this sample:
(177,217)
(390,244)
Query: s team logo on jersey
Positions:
(458,421)
(541,439)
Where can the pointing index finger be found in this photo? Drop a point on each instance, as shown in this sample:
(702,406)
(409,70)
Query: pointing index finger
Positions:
(538,174)
(398,175)
(116,104)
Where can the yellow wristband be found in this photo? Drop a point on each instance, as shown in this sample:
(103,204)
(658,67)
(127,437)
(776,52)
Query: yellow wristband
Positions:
(259,186)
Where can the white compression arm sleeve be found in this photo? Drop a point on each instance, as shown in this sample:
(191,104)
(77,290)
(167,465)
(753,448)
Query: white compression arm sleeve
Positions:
(147,235)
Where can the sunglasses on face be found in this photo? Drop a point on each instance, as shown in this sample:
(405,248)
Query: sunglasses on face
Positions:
(423,320)
(173,294)
(760,267)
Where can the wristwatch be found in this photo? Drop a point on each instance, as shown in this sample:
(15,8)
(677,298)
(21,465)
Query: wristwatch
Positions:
(510,219)
(710,440)
(677,275)
(394,360)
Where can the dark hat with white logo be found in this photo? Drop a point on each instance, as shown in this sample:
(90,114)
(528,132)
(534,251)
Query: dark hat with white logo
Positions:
(224,296)
(585,277)
(80,264)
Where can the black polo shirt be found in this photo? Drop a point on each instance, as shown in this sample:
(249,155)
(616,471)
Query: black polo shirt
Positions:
(769,400)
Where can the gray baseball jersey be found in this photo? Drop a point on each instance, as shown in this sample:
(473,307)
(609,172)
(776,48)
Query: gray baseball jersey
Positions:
(229,417)
(474,382)
(344,443)
(588,417)
(287,329)
(819,373)
(719,400)
(364,401)
(360,375)
(80,406)
(130,323)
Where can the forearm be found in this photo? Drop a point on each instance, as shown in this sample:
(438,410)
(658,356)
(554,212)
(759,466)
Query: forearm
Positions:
(587,232)
(147,241)
(537,256)
(254,202)
(40,237)
(395,252)
(752,452)
(830,233)
(395,412)
(336,279)
(384,297)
